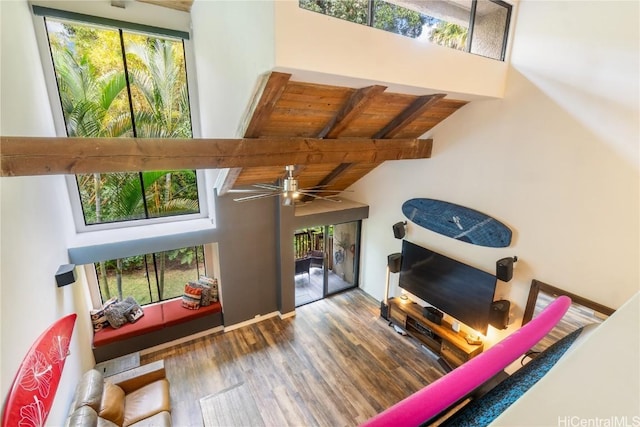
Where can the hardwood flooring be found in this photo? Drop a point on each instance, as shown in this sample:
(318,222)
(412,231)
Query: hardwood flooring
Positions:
(336,363)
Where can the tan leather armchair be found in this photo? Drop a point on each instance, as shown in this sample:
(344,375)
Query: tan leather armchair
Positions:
(138,397)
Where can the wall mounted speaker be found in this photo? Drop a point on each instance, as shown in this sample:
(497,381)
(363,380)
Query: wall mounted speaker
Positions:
(504,268)
(499,315)
(66,275)
(394,261)
(399,230)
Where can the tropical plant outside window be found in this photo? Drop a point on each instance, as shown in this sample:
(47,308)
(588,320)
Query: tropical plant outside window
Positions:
(114,83)
(150,278)
(475,26)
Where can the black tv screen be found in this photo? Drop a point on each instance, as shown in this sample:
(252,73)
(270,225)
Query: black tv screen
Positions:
(461,291)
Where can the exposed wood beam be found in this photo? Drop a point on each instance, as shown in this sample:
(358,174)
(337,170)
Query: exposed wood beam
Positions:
(412,112)
(339,170)
(354,107)
(22,156)
(261,108)
(356,104)
(351,110)
(182,5)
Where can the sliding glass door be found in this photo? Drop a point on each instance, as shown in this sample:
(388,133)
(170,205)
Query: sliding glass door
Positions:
(326,260)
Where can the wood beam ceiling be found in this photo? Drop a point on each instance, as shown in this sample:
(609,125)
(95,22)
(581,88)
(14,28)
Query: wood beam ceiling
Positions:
(285,108)
(352,109)
(413,111)
(22,156)
(260,112)
(182,5)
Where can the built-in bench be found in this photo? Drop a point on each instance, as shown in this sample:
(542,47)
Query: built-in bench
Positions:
(161,323)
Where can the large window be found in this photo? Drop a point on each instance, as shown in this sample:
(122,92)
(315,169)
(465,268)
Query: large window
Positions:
(118,83)
(150,278)
(475,26)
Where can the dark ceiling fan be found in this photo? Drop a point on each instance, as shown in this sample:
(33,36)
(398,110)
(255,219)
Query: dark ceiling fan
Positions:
(288,189)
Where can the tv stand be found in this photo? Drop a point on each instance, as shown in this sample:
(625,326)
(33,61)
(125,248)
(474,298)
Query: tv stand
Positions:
(441,339)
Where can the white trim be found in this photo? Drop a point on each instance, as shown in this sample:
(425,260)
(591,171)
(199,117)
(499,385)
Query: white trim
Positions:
(92,282)
(258,318)
(287,315)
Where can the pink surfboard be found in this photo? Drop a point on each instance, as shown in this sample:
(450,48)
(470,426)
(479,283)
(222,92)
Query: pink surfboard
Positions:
(34,387)
(444,392)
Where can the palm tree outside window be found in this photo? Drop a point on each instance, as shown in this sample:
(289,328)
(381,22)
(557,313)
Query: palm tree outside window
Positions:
(116,83)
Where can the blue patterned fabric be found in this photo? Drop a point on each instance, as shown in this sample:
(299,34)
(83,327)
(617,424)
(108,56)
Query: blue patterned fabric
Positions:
(482,411)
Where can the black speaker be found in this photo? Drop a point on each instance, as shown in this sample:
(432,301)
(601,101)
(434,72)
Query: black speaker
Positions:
(433,314)
(499,315)
(399,230)
(504,268)
(66,275)
(394,261)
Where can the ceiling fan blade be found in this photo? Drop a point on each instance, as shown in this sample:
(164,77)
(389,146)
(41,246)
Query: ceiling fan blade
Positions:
(256,197)
(245,190)
(320,197)
(268,187)
(306,190)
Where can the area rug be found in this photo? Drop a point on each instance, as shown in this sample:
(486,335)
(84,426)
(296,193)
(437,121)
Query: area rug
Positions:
(233,406)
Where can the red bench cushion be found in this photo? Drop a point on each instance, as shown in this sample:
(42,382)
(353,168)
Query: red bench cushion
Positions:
(151,321)
(175,313)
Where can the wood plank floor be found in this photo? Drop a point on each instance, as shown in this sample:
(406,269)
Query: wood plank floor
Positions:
(336,363)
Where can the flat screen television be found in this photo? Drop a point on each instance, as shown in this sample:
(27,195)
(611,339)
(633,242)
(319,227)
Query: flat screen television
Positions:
(459,290)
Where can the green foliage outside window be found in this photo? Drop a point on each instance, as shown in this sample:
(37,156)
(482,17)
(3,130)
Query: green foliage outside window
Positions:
(393,18)
(149,101)
(385,16)
(396,19)
(152,277)
(350,10)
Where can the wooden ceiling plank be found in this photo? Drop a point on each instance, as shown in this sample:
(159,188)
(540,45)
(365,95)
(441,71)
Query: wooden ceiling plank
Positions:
(412,112)
(25,156)
(354,106)
(182,5)
(352,109)
(262,110)
(329,179)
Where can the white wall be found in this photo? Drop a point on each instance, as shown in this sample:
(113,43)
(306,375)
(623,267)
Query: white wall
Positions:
(35,217)
(234,45)
(556,160)
(618,338)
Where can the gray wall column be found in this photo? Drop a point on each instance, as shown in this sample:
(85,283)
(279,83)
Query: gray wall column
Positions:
(248,257)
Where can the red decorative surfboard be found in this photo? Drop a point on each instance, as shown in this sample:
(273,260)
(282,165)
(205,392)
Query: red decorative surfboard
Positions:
(34,387)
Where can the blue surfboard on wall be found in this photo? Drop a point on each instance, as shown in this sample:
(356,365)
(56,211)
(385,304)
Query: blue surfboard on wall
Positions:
(458,222)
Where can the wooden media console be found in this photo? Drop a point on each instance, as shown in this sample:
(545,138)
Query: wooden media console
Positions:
(440,339)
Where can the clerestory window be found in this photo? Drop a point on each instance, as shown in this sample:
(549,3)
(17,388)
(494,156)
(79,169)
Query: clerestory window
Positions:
(119,82)
(475,26)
